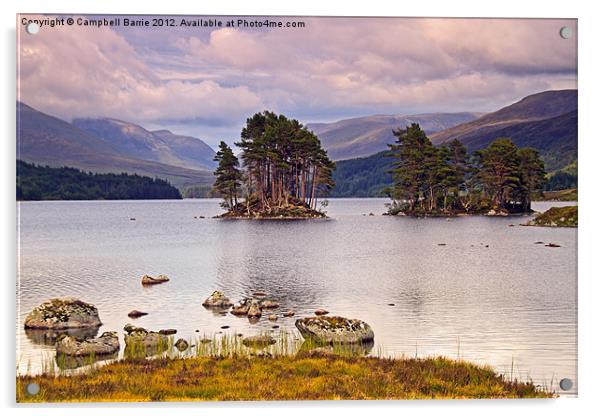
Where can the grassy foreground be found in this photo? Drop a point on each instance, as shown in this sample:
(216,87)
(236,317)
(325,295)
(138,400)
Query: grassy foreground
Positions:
(300,377)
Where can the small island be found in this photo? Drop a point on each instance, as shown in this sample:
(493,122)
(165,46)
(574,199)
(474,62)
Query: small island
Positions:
(285,171)
(557,217)
(445,180)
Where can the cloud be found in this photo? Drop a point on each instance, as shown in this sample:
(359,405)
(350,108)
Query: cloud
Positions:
(210,80)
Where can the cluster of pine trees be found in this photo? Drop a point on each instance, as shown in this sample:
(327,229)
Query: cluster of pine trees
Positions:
(429,179)
(284,163)
(46,183)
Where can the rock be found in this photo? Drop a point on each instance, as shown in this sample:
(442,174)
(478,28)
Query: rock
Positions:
(390,304)
(132,219)
(217,300)
(241,308)
(254,310)
(441,244)
(225,327)
(552,245)
(273,317)
(136,314)
(268,304)
(288,313)
(50,336)
(149,280)
(275,326)
(63,313)
(371,214)
(181,344)
(141,337)
(321,312)
(335,330)
(169,331)
(259,294)
(258,341)
(107,343)
(539,242)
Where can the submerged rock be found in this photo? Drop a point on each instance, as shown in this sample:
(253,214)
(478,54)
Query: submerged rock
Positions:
(107,343)
(335,330)
(181,344)
(149,280)
(50,336)
(321,312)
(258,341)
(217,300)
(63,313)
(288,313)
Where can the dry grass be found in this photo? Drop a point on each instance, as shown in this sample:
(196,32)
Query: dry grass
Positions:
(304,376)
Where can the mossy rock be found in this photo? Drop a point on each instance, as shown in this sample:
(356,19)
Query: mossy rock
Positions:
(335,330)
(63,313)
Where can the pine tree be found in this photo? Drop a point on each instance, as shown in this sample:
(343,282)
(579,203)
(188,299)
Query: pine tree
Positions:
(228,176)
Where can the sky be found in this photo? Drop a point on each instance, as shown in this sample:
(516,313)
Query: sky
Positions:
(205,82)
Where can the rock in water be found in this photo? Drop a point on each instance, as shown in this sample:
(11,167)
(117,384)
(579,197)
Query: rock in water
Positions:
(268,304)
(136,314)
(335,330)
(241,308)
(321,312)
(63,313)
(149,280)
(254,310)
(217,300)
(288,313)
(258,341)
(107,343)
(273,317)
(149,340)
(181,344)
(169,331)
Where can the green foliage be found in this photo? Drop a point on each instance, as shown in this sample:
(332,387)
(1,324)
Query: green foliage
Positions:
(363,177)
(284,161)
(558,217)
(45,183)
(438,180)
(227,175)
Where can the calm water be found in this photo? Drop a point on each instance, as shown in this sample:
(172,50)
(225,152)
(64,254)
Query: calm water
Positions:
(511,305)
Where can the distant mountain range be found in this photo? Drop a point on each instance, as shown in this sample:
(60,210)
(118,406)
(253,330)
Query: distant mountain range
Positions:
(364,136)
(546,121)
(107,145)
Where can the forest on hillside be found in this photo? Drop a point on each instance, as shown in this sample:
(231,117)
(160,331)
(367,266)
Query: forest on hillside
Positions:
(36,182)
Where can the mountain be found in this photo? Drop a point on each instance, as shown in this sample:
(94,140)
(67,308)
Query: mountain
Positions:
(48,140)
(132,140)
(364,136)
(546,121)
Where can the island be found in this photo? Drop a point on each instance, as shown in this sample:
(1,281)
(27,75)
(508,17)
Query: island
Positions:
(443,181)
(286,169)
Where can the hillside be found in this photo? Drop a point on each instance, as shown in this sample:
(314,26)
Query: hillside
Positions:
(362,177)
(47,140)
(546,121)
(134,141)
(45,183)
(364,136)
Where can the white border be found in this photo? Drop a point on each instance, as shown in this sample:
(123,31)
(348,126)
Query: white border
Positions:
(590,276)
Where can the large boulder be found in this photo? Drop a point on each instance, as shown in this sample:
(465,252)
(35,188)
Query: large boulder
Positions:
(241,308)
(335,330)
(217,300)
(63,313)
(150,280)
(106,344)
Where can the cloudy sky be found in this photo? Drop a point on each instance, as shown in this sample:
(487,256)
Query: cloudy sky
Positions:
(205,82)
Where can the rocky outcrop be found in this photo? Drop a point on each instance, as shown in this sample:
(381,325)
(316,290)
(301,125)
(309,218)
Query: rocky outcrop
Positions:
(106,344)
(150,280)
(63,313)
(241,308)
(217,300)
(258,341)
(335,330)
